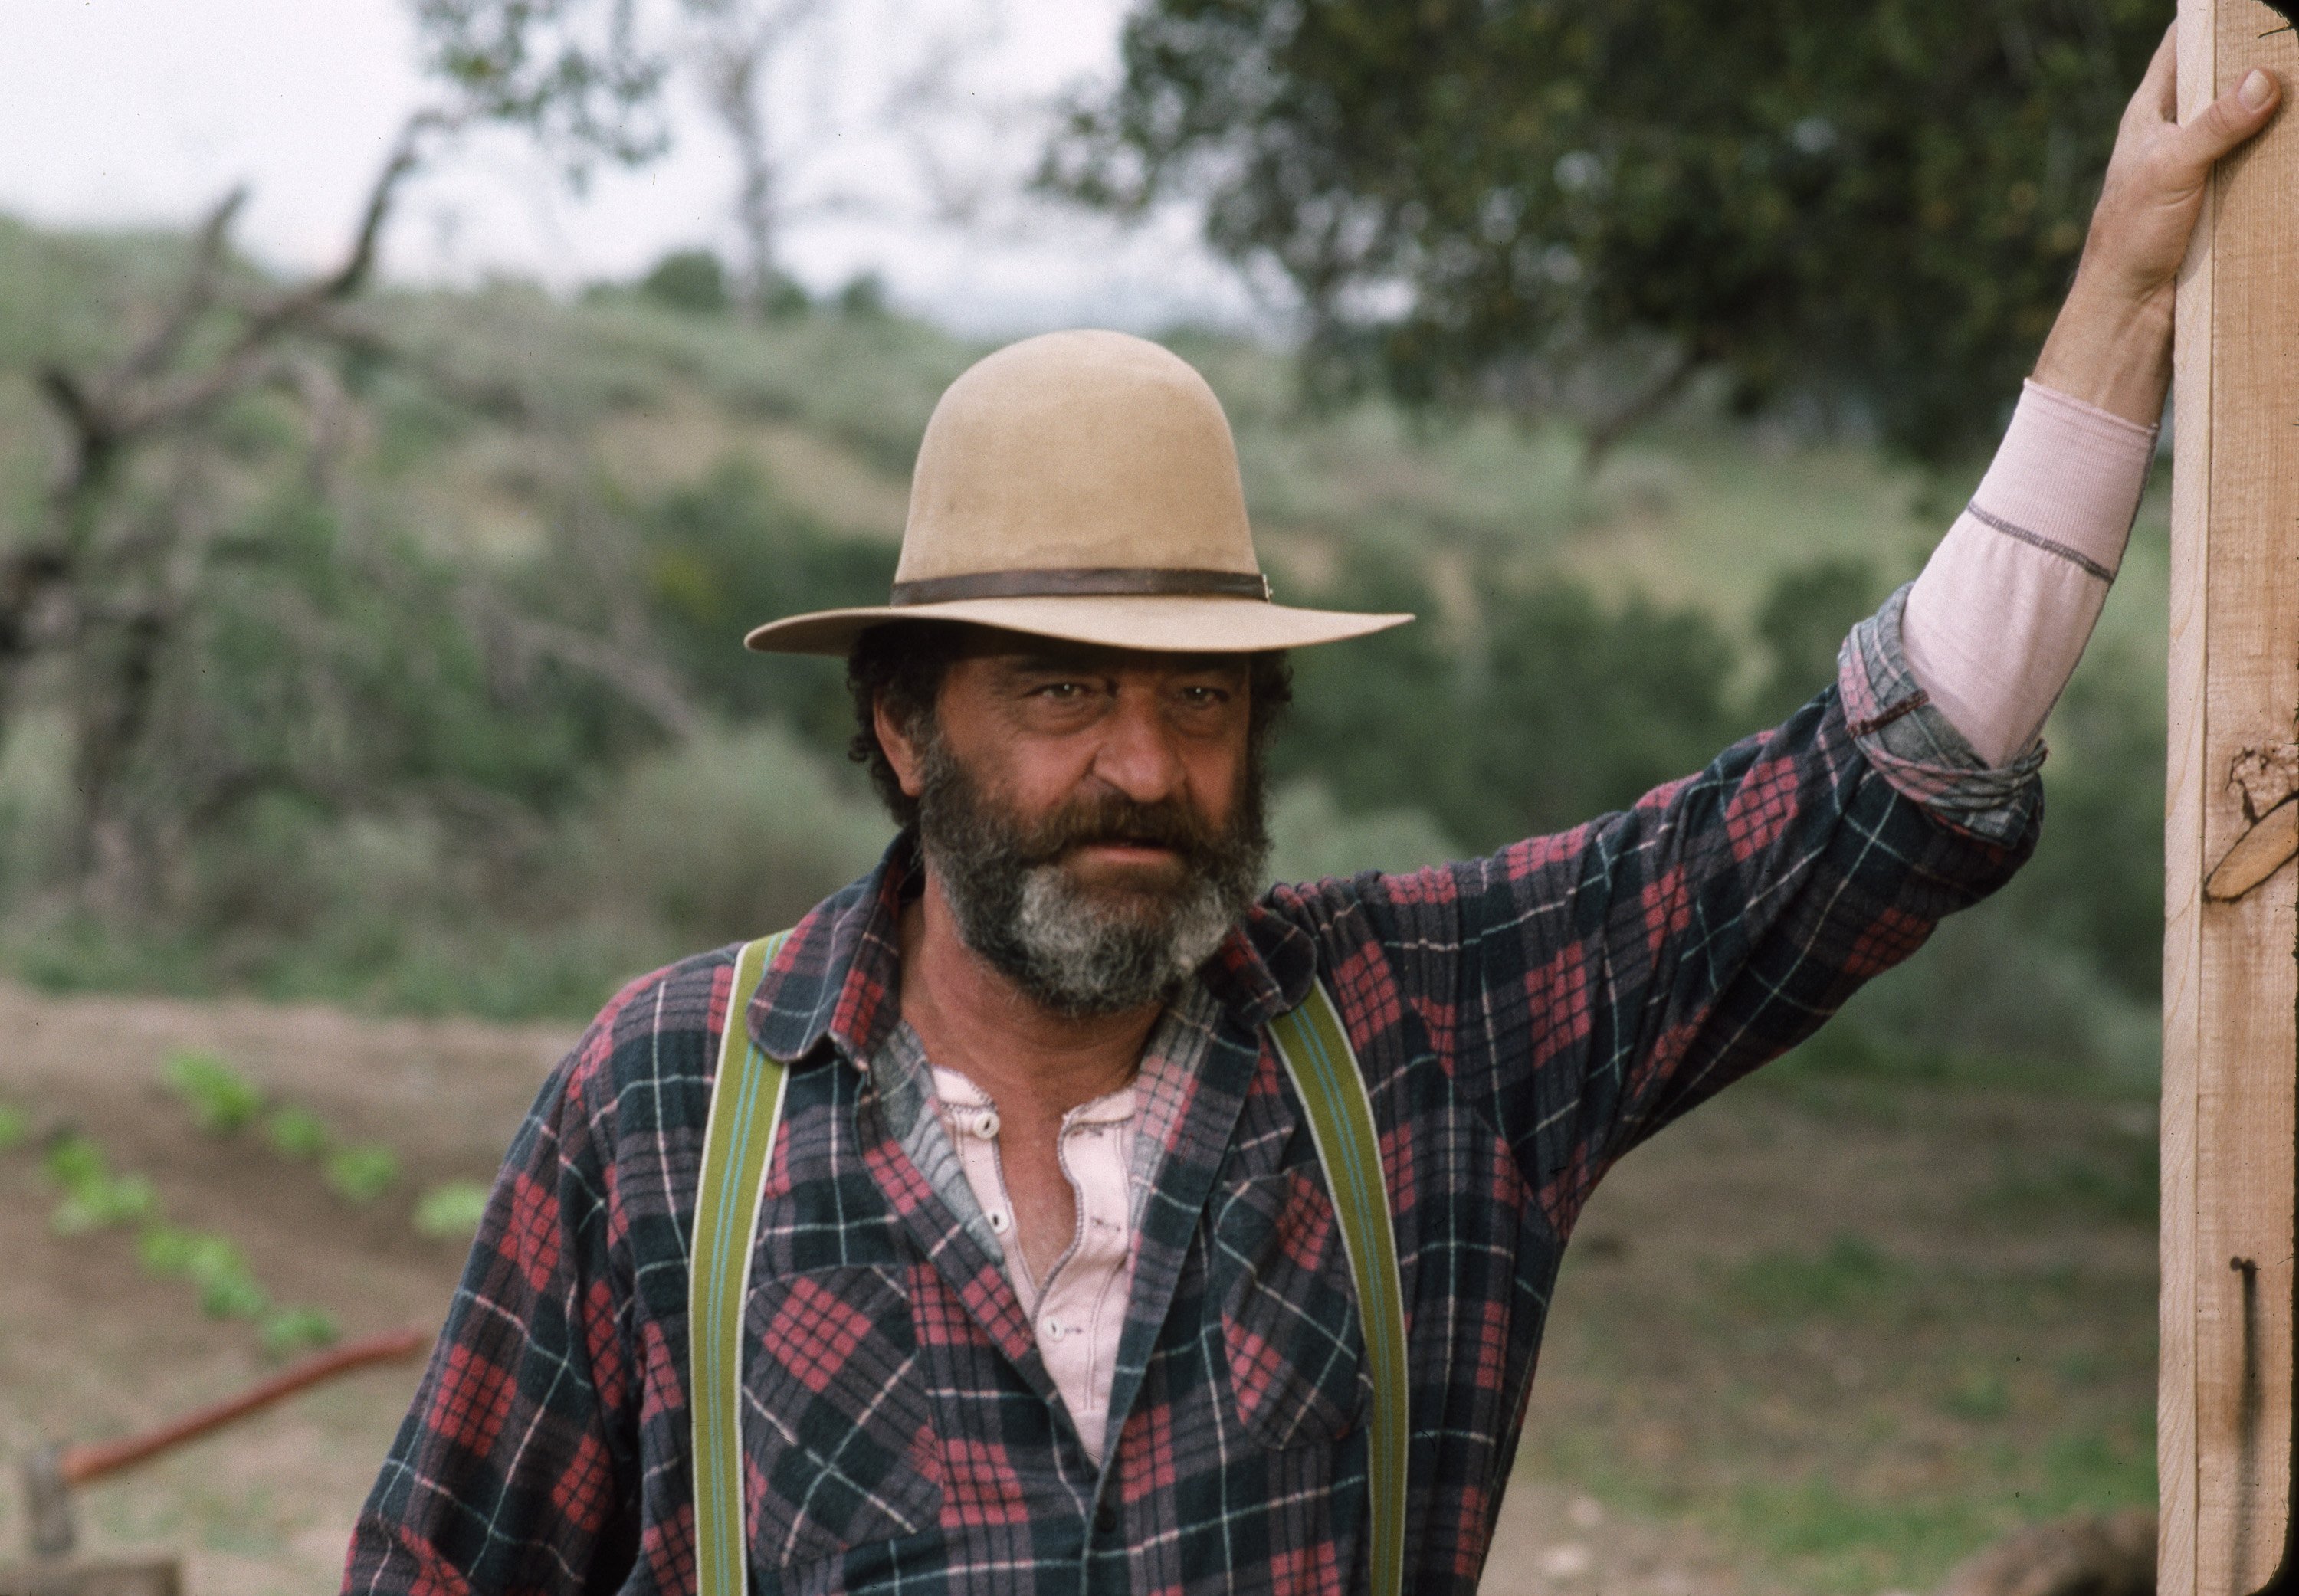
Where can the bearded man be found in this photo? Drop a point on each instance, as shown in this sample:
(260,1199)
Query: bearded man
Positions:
(1070,1258)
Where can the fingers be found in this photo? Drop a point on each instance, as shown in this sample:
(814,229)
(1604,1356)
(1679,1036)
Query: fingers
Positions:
(2227,121)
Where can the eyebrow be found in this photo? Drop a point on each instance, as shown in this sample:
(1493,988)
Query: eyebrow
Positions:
(1083,659)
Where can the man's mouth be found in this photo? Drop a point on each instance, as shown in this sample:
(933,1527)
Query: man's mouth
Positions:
(1124,856)
(1126,850)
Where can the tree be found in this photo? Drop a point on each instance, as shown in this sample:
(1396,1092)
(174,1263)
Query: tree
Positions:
(756,60)
(1877,205)
(737,44)
(94,601)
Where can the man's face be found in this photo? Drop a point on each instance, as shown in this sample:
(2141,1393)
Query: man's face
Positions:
(1093,815)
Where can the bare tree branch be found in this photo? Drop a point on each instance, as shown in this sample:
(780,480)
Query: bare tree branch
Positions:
(647,687)
(193,300)
(1608,434)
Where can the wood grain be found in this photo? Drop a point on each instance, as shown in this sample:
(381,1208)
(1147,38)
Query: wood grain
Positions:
(2231,982)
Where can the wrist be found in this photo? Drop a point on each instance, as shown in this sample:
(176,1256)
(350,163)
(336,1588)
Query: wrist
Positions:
(2112,348)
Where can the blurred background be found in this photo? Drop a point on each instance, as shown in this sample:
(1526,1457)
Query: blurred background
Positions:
(406,404)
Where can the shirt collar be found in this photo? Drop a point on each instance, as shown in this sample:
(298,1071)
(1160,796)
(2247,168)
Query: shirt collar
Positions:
(841,976)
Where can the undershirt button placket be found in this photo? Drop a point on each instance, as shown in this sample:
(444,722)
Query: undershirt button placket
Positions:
(1077,1311)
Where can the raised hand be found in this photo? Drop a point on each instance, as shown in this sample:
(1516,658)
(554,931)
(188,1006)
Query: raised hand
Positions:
(2111,345)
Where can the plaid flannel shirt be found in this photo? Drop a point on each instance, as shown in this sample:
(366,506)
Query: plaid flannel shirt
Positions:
(1524,1020)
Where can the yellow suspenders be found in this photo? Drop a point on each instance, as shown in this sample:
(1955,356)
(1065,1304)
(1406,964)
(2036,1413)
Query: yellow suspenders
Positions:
(1315,1049)
(746,1109)
(746,1102)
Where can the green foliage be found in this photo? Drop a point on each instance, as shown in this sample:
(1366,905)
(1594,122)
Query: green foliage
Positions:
(731,552)
(573,73)
(223,1101)
(362,1173)
(92,1198)
(690,280)
(1310,836)
(864,297)
(1981,1395)
(213,1264)
(1803,621)
(297,1132)
(1882,204)
(2116,1184)
(1850,1277)
(15,1127)
(285,1331)
(2093,887)
(1559,705)
(732,834)
(452,1210)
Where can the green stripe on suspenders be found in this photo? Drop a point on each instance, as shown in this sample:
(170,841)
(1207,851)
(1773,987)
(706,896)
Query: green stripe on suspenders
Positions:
(746,1107)
(746,1101)
(1315,1049)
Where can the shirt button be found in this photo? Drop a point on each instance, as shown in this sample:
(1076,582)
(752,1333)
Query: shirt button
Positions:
(1000,1222)
(985,1124)
(1056,1329)
(1105,1520)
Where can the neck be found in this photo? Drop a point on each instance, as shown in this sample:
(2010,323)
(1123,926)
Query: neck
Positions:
(971,1018)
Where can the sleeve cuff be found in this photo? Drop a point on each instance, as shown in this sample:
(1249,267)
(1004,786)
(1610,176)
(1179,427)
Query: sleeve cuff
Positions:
(1915,748)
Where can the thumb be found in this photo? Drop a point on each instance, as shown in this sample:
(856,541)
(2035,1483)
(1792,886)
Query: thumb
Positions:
(2228,120)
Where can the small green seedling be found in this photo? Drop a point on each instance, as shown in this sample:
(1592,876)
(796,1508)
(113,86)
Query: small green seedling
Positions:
(222,1099)
(452,1210)
(363,1172)
(297,1133)
(287,1330)
(213,1264)
(94,1197)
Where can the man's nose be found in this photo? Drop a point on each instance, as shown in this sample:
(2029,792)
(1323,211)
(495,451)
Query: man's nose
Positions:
(1137,755)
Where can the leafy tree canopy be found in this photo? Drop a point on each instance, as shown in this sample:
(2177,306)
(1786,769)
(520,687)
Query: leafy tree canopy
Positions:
(1880,204)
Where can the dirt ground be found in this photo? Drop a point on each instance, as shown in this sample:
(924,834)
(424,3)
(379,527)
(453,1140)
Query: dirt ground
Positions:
(1716,1334)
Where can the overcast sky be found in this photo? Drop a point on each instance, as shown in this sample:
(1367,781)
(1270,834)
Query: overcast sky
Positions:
(131,112)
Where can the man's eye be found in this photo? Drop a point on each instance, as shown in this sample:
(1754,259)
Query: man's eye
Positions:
(1063,692)
(1204,698)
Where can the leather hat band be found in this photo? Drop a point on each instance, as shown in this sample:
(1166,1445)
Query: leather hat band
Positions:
(1080,584)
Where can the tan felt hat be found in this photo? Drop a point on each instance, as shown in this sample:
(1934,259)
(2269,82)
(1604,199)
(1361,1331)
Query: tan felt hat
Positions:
(1081,485)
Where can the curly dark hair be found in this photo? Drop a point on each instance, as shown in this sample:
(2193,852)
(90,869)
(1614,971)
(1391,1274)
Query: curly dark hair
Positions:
(906,665)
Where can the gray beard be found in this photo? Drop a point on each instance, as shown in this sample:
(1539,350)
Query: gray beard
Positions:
(1067,948)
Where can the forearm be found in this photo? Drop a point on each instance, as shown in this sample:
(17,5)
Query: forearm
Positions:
(2111,350)
(1995,625)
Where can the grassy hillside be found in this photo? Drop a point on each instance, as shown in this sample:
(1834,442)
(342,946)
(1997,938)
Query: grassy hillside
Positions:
(663,478)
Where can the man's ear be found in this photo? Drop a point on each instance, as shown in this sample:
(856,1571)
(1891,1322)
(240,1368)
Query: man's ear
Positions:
(900,748)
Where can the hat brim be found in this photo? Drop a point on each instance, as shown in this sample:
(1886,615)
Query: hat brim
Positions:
(1155,623)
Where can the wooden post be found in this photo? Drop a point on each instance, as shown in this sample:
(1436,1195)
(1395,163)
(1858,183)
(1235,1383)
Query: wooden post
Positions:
(2225,1435)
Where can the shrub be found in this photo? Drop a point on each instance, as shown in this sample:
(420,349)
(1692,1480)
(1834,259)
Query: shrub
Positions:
(692,280)
(733,833)
(1311,838)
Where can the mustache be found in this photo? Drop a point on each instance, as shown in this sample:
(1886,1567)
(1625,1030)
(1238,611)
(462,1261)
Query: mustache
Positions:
(1116,820)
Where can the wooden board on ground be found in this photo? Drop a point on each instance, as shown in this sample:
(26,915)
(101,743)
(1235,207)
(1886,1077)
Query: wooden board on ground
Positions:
(2231,981)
